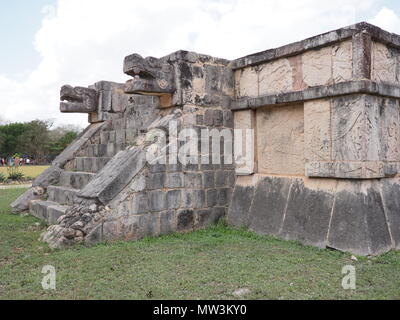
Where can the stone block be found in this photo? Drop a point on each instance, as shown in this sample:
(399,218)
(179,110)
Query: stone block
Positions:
(139,203)
(209,118)
(246,82)
(244,148)
(174,199)
(167,222)
(120,136)
(317,130)
(193,180)
(241,201)
(218,118)
(208,179)
(221,178)
(355,128)
(185,220)
(212,197)
(358,221)
(174,180)
(308,212)
(342,62)
(385,62)
(391,202)
(155,180)
(194,199)
(157,201)
(207,217)
(157,168)
(317,67)
(280,140)
(275,77)
(224,197)
(269,205)
(228,119)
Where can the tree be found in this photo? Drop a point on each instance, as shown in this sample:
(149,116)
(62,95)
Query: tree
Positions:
(35,139)
(10,135)
(57,146)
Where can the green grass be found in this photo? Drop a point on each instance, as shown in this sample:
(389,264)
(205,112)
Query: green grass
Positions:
(208,264)
(28,171)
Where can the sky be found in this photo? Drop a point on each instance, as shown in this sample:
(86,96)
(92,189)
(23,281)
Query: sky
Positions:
(48,43)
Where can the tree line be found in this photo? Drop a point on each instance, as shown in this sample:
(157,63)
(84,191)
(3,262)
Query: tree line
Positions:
(37,140)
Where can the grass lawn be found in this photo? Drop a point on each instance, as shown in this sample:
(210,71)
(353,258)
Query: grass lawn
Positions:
(208,264)
(28,171)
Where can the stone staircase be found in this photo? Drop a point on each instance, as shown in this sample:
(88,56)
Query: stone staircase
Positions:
(78,173)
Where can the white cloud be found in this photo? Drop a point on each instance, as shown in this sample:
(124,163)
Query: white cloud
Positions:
(81,42)
(387,19)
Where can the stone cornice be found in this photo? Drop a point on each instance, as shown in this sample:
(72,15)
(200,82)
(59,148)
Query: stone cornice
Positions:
(316,42)
(320,92)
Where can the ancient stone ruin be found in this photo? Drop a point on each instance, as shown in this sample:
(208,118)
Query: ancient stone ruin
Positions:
(319,162)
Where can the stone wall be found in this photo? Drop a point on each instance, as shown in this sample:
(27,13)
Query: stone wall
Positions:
(324,66)
(325,112)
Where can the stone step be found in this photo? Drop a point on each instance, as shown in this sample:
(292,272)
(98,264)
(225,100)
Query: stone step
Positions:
(48,211)
(104,150)
(90,164)
(62,195)
(75,180)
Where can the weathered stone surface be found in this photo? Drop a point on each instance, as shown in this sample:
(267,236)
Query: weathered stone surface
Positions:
(62,195)
(247,83)
(168,223)
(355,134)
(280,140)
(244,142)
(174,199)
(151,75)
(317,67)
(76,180)
(21,204)
(185,220)
(115,176)
(319,92)
(342,62)
(275,77)
(317,130)
(80,99)
(358,220)
(205,218)
(385,63)
(238,214)
(362,55)
(158,201)
(391,202)
(139,203)
(195,199)
(308,212)
(269,204)
(351,170)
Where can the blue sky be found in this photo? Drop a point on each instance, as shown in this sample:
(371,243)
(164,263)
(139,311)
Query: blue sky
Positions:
(83,41)
(19,22)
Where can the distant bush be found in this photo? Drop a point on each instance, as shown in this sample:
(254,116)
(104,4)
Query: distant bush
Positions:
(14,174)
(2,177)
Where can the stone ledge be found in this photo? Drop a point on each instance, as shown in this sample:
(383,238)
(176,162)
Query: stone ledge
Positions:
(316,42)
(352,170)
(320,92)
